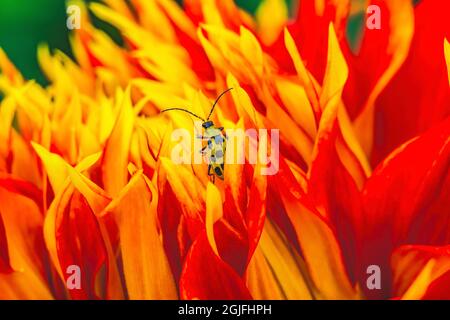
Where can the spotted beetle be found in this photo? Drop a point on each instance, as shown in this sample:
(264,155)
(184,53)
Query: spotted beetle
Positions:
(216,141)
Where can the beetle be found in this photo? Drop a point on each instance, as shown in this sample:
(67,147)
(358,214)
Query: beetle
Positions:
(216,141)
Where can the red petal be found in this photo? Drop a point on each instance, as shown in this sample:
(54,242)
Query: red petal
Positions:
(232,246)
(235,196)
(407,198)
(256,211)
(328,180)
(311,31)
(276,211)
(439,289)
(22,187)
(176,239)
(4,255)
(79,243)
(378,50)
(206,277)
(418,96)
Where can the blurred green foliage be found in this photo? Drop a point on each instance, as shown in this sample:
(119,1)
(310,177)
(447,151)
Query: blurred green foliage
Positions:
(24,24)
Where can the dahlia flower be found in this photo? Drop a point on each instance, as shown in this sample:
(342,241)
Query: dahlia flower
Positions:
(363,183)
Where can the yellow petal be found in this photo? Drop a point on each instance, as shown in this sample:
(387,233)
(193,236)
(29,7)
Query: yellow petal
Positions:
(272,17)
(117,148)
(349,150)
(296,101)
(9,70)
(320,248)
(276,271)
(336,73)
(288,128)
(447,57)
(146,267)
(93,194)
(303,74)
(189,190)
(152,18)
(213,213)
(420,285)
(251,49)
(59,171)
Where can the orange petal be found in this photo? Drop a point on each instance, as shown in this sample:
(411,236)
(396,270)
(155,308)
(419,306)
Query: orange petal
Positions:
(146,270)
(188,192)
(117,148)
(276,271)
(22,220)
(318,243)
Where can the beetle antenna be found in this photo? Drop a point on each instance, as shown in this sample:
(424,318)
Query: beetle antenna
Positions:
(217,100)
(184,110)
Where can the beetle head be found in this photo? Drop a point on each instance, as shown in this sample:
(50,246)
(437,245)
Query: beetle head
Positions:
(207,124)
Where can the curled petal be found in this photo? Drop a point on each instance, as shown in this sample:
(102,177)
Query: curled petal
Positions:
(207,277)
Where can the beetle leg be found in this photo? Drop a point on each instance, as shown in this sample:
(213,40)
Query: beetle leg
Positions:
(212,176)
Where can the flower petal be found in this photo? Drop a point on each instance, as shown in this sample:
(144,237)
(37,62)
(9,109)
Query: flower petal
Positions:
(5,266)
(271,16)
(22,221)
(146,269)
(318,243)
(213,213)
(447,57)
(417,174)
(276,271)
(117,148)
(206,277)
(428,99)
(415,268)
